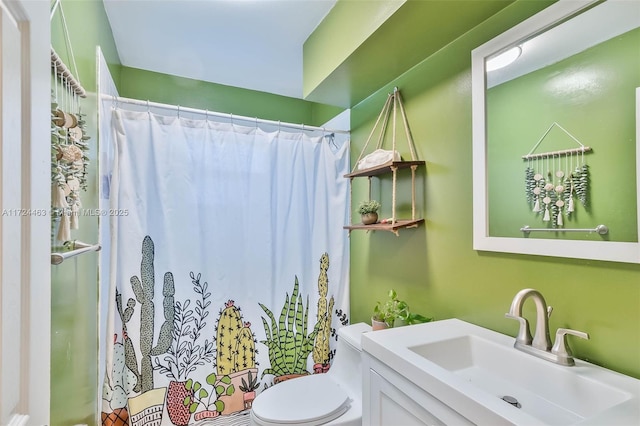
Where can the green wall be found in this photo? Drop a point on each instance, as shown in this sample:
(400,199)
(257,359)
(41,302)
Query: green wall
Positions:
(435,268)
(147,85)
(74,323)
(520,111)
(363,44)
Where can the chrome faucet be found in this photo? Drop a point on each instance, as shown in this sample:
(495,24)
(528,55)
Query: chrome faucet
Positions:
(540,344)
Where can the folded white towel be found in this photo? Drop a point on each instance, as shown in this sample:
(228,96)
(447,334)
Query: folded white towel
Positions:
(378,157)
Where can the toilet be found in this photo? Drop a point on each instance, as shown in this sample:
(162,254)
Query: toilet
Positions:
(332,398)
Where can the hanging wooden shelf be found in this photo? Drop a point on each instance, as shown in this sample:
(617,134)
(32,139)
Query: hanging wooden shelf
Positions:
(384,168)
(393,227)
(393,103)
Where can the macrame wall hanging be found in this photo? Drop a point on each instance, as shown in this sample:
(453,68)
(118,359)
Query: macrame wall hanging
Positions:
(69,146)
(555,181)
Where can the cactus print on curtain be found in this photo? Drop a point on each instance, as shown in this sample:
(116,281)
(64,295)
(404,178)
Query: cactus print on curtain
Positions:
(229,269)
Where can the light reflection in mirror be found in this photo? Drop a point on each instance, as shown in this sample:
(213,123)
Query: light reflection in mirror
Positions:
(503,59)
(603,22)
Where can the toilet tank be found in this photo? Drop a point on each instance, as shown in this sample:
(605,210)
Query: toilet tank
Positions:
(346,368)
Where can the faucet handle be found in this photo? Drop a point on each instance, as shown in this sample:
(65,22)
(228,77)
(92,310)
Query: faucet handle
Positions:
(524,335)
(561,347)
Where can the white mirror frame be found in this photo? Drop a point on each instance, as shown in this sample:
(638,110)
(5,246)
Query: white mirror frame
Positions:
(628,252)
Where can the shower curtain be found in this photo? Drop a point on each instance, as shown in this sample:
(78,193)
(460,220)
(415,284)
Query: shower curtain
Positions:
(229,266)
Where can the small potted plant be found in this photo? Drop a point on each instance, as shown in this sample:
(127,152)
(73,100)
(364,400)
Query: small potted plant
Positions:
(249,388)
(385,314)
(369,211)
(210,400)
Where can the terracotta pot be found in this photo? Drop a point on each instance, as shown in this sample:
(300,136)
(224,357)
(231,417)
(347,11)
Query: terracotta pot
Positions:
(286,377)
(369,218)
(248,398)
(119,417)
(178,413)
(377,324)
(207,414)
(234,403)
(319,368)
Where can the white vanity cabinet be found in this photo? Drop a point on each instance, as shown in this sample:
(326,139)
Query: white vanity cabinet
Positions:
(388,399)
(451,372)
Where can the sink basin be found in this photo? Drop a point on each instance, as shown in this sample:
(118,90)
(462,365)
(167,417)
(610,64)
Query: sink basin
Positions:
(476,371)
(553,395)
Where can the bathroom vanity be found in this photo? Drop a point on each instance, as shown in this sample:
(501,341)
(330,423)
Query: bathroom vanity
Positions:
(454,372)
(390,399)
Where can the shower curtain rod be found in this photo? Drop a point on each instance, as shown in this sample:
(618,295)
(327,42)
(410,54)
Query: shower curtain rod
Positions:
(231,117)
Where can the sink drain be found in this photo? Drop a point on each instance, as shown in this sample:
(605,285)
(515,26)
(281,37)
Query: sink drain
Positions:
(511,400)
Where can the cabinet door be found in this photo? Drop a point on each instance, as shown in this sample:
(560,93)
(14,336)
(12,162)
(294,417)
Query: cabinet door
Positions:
(390,406)
(390,399)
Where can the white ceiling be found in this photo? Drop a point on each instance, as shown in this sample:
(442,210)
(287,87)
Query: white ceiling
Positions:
(252,44)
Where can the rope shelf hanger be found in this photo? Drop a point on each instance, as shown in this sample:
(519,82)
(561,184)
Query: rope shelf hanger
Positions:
(392,105)
(580,150)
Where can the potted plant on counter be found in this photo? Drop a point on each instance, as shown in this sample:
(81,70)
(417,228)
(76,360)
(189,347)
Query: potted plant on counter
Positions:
(385,314)
(369,211)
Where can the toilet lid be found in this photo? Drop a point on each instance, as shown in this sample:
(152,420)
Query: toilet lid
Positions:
(314,399)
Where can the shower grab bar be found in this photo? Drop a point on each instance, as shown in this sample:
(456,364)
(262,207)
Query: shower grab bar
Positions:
(78,248)
(600,229)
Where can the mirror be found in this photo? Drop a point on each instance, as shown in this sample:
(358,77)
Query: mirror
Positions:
(556,134)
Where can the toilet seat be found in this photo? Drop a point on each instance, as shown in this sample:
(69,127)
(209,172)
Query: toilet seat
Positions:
(310,400)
